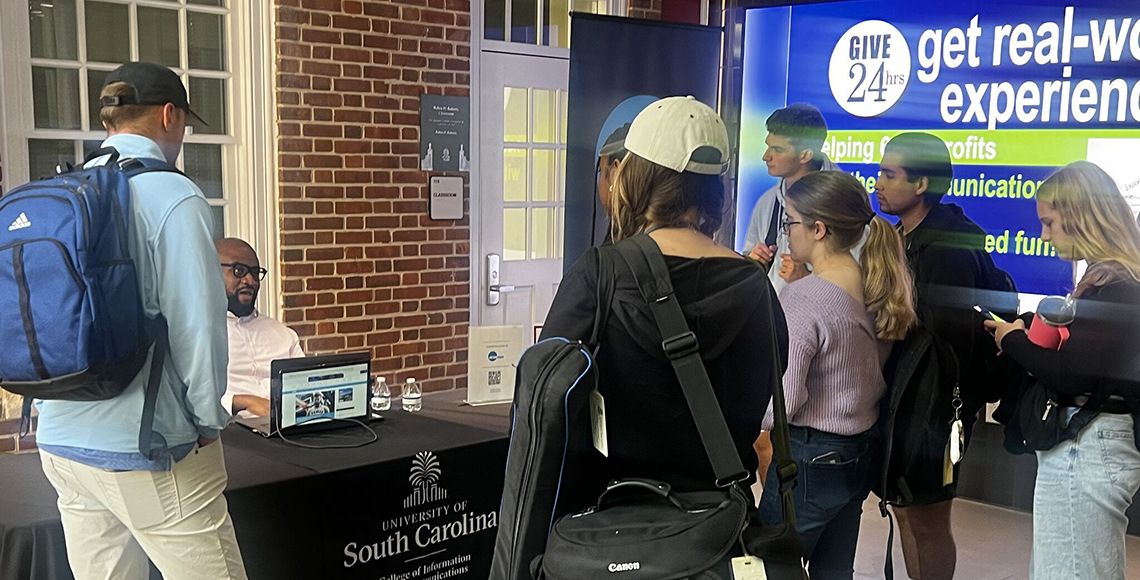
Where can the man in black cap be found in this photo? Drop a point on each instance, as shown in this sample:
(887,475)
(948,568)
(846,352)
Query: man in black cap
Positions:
(121,504)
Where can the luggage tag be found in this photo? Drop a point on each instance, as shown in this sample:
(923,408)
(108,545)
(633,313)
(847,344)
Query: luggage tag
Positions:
(957,441)
(598,422)
(748,568)
(947,467)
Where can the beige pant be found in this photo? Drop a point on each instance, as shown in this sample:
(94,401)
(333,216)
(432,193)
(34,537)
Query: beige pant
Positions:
(112,521)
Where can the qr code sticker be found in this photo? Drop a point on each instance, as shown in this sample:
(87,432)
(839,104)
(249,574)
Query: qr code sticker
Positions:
(494,378)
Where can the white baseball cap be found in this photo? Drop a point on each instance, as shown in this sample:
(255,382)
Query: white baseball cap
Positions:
(680,133)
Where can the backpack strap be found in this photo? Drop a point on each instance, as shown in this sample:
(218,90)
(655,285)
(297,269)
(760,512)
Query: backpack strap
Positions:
(681,347)
(134,167)
(606,285)
(147,434)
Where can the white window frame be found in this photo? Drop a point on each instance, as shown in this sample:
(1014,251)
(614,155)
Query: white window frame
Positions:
(249,152)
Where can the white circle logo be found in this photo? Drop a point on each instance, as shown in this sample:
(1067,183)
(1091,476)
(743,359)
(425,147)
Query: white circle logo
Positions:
(869,68)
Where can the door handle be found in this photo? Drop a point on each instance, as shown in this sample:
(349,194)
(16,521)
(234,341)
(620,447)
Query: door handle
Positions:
(494,289)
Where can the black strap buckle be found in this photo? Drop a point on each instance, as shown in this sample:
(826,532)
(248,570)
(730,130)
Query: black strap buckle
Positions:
(681,346)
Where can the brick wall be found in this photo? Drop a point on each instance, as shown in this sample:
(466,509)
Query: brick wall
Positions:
(648,9)
(363,265)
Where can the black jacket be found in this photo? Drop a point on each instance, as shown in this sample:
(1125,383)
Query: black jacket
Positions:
(651,432)
(953,272)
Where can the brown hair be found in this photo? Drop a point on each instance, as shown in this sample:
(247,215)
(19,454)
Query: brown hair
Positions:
(839,201)
(1095,215)
(646,194)
(120,116)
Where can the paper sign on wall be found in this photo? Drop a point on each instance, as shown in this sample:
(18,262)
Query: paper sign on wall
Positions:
(493,350)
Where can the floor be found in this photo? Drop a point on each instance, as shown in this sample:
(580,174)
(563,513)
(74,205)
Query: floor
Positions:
(993,544)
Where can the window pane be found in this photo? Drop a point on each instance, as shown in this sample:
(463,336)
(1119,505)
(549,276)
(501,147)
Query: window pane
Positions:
(95,80)
(203,164)
(219,213)
(53,28)
(545,118)
(560,185)
(90,147)
(563,101)
(556,19)
(205,2)
(514,174)
(544,173)
(108,32)
(45,154)
(494,20)
(514,114)
(158,36)
(55,95)
(524,17)
(206,35)
(208,99)
(514,234)
(542,233)
(559,222)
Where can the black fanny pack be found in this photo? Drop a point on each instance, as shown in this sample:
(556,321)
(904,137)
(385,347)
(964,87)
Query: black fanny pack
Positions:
(1040,421)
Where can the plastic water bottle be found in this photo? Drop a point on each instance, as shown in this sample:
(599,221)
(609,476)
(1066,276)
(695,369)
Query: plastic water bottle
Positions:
(381,396)
(412,396)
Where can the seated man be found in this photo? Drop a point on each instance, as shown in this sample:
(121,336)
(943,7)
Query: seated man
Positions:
(255,340)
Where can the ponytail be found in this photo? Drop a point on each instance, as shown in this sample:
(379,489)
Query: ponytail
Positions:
(887,286)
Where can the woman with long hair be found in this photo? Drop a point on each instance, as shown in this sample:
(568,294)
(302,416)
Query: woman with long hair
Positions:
(1086,482)
(842,322)
(669,187)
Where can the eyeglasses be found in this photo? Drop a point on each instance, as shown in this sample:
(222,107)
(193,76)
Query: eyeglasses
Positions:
(242,270)
(786,225)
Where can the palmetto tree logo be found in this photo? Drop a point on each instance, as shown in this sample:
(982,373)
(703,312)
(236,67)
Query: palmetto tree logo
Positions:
(424,478)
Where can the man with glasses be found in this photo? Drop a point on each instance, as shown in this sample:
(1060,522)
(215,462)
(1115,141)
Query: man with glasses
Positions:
(255,340)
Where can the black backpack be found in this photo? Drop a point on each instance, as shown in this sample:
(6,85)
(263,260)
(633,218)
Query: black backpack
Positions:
(922,400)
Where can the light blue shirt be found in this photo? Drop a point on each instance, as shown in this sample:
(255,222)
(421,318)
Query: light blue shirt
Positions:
(177,265)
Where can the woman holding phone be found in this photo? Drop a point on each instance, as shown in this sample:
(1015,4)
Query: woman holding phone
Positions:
(842,321)
(1086,482)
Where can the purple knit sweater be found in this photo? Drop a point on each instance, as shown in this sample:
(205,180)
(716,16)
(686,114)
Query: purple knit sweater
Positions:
(835,363)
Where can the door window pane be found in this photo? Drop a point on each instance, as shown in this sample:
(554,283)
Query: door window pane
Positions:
(514,175)
(560,184)
(524,18)
(108,32)
(203,164)
(544,173)
(205,2)
(45,154)
(494,20)
(559,222)
(514,234)
(562,106)
(95,80)
(208,99)
(545,116)
(91,146)
(206,38)
(514,114)
(158,36)
(53,27)
(542,233)
(556,20)
(55,96)
(219,213)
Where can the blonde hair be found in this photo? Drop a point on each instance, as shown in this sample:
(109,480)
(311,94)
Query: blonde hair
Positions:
(120,116)
(839,201)
(646,194)
(1096,216)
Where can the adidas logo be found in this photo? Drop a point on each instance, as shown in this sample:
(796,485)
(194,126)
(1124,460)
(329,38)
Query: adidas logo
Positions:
(20,223)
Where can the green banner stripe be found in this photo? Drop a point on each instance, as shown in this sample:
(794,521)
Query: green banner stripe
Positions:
(1021,147)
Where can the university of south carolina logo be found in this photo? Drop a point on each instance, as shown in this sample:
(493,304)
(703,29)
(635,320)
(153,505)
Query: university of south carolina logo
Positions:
(870,68)
(625,567)
(425,480)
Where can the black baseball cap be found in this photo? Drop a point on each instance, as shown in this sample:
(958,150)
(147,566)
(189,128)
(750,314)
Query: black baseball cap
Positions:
(153,84)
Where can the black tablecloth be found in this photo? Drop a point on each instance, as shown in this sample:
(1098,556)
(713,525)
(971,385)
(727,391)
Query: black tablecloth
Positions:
(265,473)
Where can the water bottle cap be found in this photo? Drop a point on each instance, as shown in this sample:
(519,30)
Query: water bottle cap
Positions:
(382,379)
(410,380)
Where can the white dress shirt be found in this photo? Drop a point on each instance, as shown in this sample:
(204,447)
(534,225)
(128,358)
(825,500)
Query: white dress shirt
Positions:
(255,342)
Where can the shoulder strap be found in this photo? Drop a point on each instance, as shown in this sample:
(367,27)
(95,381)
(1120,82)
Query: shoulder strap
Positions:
(606,284)
(680,344)
(150,398)
(786,469)
(134,167)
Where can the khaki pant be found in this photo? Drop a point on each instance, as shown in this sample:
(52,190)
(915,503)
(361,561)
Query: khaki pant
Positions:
(114,520)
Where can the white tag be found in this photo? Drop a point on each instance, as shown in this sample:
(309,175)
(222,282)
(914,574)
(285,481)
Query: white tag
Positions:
(748,568)
(598,420)
(957,441)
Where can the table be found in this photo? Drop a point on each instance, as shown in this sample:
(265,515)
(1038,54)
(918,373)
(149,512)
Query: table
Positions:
(422,502)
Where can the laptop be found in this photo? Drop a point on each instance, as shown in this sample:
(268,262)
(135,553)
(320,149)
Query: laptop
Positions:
(307,393)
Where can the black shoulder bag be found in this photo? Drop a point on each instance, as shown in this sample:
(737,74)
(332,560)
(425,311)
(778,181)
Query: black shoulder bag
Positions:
(642,528)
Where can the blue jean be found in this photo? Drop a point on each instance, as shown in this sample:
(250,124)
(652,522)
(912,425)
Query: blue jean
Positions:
(1083,488)
(829,496)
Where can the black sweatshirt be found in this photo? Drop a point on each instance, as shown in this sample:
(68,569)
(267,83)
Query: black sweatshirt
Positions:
(651,432)
(1102,354)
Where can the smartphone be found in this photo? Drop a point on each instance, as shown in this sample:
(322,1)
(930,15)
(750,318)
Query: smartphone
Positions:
(985,312)
(829,457)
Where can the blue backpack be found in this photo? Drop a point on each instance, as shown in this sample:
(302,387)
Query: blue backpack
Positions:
(71,317)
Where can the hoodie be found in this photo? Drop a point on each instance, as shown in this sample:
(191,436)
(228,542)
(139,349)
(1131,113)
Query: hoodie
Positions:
(650,430)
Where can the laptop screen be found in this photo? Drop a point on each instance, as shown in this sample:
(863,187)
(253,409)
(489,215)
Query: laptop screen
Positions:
(316,395)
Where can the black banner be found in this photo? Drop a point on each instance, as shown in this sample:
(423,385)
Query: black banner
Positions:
(617,67)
